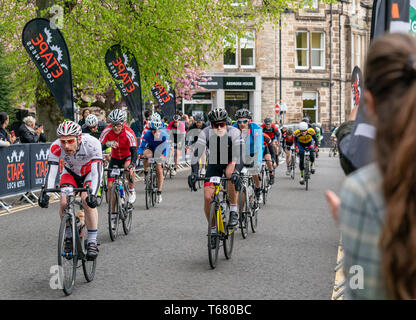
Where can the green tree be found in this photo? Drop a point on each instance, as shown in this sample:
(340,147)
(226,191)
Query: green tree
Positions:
(6,104)
(166,37)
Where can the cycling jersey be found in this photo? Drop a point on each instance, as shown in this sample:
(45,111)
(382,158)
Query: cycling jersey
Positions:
(85,164)
(288,141)
(160,144)
(194,131)
(127,143)
(231,145)
(273,132)
(147,128)
(255,144)
(307,139)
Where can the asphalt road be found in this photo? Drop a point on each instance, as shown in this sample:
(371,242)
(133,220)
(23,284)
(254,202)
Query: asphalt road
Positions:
(292,256)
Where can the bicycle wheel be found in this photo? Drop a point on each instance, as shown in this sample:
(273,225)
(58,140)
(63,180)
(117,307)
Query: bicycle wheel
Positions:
(306,172)
(244,212)
(228,241)
(88,266)
(213,253)
(127,211)
(154,187)
(148,191)
(266,186)
(114,200)
(67,261)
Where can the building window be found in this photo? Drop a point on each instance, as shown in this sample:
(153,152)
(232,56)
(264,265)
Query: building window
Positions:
(230,54)
(310,105)
(302,48)
(318,50)
(247,48)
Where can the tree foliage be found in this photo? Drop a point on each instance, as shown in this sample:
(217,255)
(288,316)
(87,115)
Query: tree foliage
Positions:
(167,37)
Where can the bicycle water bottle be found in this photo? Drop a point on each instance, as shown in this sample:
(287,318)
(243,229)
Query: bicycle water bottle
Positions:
(120,188)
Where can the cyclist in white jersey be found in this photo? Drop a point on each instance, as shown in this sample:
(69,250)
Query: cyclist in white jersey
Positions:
(83,166)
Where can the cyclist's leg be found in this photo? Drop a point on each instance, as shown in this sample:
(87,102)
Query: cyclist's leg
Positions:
(159,172)
(233,195)
(213,170)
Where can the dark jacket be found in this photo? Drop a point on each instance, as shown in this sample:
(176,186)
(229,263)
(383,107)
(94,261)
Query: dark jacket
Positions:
(27,136)
(4,136)
(101,126)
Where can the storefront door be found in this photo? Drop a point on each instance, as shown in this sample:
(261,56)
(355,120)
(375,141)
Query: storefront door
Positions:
(235,101)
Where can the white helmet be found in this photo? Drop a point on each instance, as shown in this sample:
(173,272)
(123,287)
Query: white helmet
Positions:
(303,126)
(155,117)
(69,128)
(156,124)
(117,116)
(91,120)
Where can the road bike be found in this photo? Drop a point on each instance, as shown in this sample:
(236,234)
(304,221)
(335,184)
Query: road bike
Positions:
(118,204)
(307,168)
(265,180)
(169,164)
(102,192)
(292,162)
(69,254)
(150,181)
(334,148)
(219,215)
(248,204)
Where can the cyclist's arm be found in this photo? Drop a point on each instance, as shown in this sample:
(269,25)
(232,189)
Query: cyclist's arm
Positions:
(314,136)
(259,145)
(237,149)
(53,165)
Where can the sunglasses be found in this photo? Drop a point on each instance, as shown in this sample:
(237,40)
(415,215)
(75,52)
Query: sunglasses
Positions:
(242,121)
(116,125)
(219,125)
(67,141)
(93,127)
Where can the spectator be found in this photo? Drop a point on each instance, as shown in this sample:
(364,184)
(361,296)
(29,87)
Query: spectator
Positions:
(85,114)
(5,138)
(29,133)
(377,206)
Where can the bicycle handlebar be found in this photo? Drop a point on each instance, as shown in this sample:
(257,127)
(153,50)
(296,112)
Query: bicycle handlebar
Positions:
(88,190)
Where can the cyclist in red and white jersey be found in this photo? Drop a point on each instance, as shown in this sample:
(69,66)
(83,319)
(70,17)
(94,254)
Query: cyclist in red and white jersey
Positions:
(83,166)
(123,143)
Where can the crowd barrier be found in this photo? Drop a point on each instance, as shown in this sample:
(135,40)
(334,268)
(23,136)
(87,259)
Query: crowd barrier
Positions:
(24,168)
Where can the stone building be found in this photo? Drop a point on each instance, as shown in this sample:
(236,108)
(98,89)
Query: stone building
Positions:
(316,46)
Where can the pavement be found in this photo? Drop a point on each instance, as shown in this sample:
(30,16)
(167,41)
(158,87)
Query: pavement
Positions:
(292,256)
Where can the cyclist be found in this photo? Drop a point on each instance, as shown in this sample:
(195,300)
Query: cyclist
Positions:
(123,143)
(303,141)
(93,127)
(272,130)
(254,147)
(177,129)
(155,144)
(288,142)
(192,137)
(83,167)
(226,146)
(154,117)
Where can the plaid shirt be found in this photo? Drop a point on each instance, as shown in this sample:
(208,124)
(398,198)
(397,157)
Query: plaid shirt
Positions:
(361,218)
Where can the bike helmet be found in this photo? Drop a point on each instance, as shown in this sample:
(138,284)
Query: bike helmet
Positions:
(156,124)
(176,117)
(306,119)
(303,126)
(289,132)
(229,121)
(155,117)
(69,128)
(268,121)
(117,116)
(199,118)
(243,113)
(91,120)
(218,114)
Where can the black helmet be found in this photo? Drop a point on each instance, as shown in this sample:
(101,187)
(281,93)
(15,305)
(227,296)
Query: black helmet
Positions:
(176,117)
(306,119)
(243,113)
(268,121)
(218,114)
(199,117)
